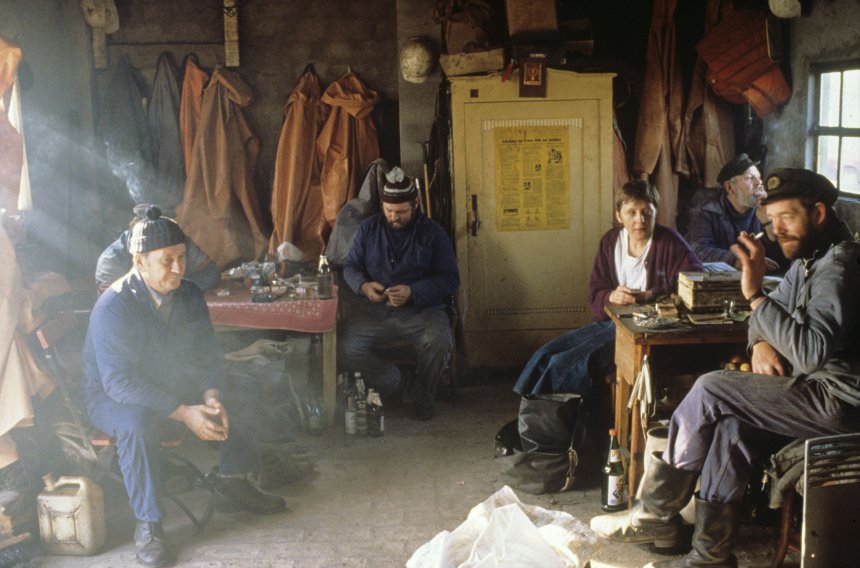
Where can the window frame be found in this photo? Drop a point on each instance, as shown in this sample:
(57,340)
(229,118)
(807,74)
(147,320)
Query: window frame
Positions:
(817,130)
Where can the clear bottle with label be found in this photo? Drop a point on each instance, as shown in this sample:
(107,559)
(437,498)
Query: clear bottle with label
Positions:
(349,416)
(613,492)
(324,278)
(314,415)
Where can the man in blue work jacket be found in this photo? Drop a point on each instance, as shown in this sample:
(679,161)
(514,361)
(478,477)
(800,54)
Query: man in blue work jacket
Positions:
(150,354)
(403,267)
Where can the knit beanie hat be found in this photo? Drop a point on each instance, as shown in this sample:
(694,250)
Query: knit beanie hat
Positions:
(153,232)
(399,188)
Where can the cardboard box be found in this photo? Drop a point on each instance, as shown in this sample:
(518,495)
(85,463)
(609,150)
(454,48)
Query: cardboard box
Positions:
(710,291)
(458,35)
(474,62)
(530,16)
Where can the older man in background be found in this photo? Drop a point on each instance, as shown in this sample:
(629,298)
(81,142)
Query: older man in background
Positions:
(714,227)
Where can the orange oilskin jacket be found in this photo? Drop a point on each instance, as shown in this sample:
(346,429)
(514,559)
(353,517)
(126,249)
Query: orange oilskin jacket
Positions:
(347,144)
(220,210)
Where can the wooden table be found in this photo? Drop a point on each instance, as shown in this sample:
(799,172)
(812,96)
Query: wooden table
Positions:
(632,343)
(237,311)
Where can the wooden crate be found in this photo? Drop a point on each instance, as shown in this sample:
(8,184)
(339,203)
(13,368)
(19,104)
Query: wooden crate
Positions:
(710,291)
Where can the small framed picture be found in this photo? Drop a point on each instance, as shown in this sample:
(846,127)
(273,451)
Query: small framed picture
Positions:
(533,78)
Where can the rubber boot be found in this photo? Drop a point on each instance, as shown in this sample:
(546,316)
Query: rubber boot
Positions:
(150,548)
(654,518)
(713,539)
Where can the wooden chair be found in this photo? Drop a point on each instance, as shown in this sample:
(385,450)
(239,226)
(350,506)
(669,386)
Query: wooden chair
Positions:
(831,504)
(97,448)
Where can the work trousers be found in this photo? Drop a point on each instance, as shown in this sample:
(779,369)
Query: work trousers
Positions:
(723,422)
(423,333)
(137,431)
(568,362)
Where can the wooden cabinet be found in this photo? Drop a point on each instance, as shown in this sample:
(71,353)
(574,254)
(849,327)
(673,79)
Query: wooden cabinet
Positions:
(532,197)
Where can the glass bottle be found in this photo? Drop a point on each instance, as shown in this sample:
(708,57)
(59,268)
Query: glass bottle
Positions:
(375,416)
(613,493)
(324,278)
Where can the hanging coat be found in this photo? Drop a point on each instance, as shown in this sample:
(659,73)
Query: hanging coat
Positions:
(658,129)
(220,210)
(708,134)
(20,375)
(11,141)
(296,196)
(128,146)
(347,144)
(349,218)
(163,116)
(189,107)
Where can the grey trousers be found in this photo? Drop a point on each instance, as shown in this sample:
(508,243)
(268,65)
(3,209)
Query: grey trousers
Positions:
(426,333)
(719,427)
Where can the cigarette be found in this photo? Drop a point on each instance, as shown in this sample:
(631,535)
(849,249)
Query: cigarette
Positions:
(758,236)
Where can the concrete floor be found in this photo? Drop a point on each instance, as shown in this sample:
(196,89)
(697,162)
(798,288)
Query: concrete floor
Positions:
(371,502)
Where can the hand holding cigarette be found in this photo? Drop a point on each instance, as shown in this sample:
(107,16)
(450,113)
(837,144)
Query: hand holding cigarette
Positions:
(751,254)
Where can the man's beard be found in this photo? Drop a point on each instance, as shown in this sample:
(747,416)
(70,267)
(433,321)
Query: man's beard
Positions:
(403,226)
(799,247)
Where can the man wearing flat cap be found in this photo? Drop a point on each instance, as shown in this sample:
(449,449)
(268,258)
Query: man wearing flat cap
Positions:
(150,356)
(805,379)
(714,227)
(403,267)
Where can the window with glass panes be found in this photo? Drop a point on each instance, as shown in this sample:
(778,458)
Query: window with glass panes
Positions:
(836,127)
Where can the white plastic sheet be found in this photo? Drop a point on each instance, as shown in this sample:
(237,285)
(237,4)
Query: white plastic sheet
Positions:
(503,532)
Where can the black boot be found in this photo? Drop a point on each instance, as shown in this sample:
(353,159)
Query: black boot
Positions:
(150,548)
(654,519)
(713,540)
(235,494)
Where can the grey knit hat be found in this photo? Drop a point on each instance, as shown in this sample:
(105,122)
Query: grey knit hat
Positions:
(398,188)
(153,232)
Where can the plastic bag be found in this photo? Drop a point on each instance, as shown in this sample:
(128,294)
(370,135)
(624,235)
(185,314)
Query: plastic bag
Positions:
(503,532)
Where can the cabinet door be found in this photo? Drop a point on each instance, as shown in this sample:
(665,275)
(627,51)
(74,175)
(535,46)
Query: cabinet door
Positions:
(526,267)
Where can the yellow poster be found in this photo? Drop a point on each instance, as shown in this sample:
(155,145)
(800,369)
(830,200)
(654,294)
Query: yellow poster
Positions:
(532,173)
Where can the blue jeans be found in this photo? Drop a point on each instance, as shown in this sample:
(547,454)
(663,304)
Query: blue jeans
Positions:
(138,443)
(425,332)
(719,427)
(567,363)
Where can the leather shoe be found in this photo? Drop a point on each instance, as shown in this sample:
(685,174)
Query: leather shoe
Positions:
(150,548)
(235,494)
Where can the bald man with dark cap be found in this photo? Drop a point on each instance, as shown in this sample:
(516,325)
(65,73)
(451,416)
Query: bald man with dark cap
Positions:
(805,379)
(714,227)
(403,268)
(150,356)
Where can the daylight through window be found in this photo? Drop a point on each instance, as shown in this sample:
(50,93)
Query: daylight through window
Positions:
(836,129)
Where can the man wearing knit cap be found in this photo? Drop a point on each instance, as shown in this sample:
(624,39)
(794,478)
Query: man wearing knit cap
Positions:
(805,379)
(151,355)
(402,265)
(115,261)
(714,227)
